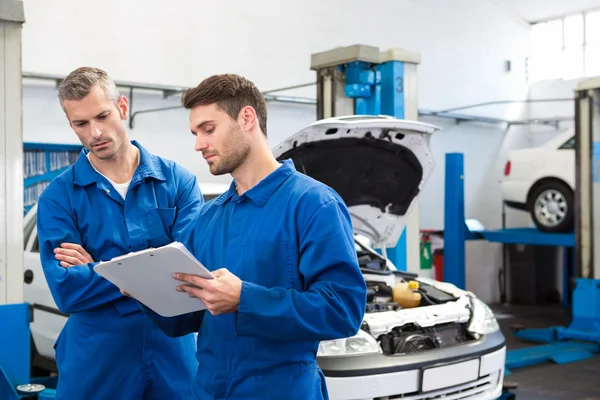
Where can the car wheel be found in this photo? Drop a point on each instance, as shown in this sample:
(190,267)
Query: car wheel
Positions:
(552,207)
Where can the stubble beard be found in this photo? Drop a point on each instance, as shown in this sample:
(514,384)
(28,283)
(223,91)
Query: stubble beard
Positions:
(234,160)
(236,151)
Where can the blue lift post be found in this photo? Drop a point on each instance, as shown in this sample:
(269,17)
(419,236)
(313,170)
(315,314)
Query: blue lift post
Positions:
(455,228)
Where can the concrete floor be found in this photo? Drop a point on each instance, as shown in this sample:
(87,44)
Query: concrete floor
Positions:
(577,381)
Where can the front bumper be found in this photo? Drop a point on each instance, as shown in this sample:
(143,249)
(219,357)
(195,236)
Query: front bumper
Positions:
(473,371)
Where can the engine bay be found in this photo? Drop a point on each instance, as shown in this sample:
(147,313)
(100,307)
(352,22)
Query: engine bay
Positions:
(432,319)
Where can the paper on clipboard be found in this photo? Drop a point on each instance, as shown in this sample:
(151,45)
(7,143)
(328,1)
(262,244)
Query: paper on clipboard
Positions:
(147,276)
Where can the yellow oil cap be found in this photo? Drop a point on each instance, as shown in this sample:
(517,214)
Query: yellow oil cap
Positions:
(413,285)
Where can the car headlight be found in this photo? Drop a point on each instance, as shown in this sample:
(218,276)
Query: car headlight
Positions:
(361,343)
(483,321)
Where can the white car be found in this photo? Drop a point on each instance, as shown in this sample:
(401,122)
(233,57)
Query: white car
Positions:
(450,345)
(541,181)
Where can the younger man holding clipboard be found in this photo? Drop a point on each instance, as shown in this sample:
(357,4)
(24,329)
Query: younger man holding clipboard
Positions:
(281,249)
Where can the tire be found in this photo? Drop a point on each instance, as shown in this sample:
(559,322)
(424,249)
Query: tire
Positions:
(552,207)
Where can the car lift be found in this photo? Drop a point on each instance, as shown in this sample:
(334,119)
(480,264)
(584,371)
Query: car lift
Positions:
(581,339)
(361,80)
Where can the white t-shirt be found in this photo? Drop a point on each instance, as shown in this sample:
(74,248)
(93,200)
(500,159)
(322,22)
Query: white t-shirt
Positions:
(120,187)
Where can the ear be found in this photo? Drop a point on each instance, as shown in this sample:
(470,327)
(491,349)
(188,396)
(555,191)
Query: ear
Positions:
(123,105)
(249,118)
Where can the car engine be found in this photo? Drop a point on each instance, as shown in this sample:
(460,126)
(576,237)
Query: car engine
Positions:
(401,330)
(414,339)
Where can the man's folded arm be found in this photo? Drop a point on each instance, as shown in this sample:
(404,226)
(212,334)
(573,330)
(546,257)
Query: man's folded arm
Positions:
(76,288)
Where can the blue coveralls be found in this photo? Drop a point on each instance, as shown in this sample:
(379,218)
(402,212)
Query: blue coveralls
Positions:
(290,240)
(108,349)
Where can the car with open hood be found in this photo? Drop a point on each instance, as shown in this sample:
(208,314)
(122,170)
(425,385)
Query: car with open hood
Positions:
(446,345)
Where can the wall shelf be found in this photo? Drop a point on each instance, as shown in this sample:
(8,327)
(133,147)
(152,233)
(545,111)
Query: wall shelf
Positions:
(42,162)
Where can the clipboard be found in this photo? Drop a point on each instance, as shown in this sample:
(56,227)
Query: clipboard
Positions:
(147,276)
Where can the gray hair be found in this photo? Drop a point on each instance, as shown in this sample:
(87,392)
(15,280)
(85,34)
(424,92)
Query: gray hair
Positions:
(79,83)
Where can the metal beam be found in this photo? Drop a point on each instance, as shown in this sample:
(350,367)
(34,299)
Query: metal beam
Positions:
(165,89)
(268,98)
(497,102)
(11,153)
(587,193)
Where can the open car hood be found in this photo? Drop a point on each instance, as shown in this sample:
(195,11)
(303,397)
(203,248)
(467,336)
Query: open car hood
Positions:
(377,164)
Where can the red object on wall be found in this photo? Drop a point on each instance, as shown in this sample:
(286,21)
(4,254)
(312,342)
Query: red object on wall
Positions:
(438,265)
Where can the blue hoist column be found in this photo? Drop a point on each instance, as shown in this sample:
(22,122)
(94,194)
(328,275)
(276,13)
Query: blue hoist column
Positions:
(362,80)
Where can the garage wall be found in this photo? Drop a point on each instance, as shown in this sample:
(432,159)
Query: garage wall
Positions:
(464,46)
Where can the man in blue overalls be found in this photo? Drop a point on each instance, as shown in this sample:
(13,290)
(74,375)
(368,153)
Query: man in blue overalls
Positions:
(281,247)
(117,198)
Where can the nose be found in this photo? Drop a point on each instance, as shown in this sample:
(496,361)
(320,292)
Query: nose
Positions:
(96,132)
(201,144)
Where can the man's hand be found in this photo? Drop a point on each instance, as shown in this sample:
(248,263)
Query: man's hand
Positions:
(70,255)
(221,295)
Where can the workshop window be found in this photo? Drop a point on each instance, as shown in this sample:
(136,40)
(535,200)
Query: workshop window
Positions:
(565,48)
(592,35)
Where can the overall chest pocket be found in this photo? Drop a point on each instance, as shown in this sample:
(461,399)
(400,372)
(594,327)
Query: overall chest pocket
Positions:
(159,223)
(269,263)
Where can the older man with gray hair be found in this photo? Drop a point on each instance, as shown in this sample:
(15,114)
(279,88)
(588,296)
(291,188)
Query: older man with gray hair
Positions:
(117,198)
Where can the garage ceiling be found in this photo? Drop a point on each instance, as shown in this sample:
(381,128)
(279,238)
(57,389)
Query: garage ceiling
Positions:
(536,10)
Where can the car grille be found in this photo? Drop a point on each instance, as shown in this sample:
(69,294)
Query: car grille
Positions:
(414,339)
(479,389)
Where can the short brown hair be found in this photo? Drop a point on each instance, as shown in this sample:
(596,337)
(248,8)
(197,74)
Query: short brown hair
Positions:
(79,83)
(230,93)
